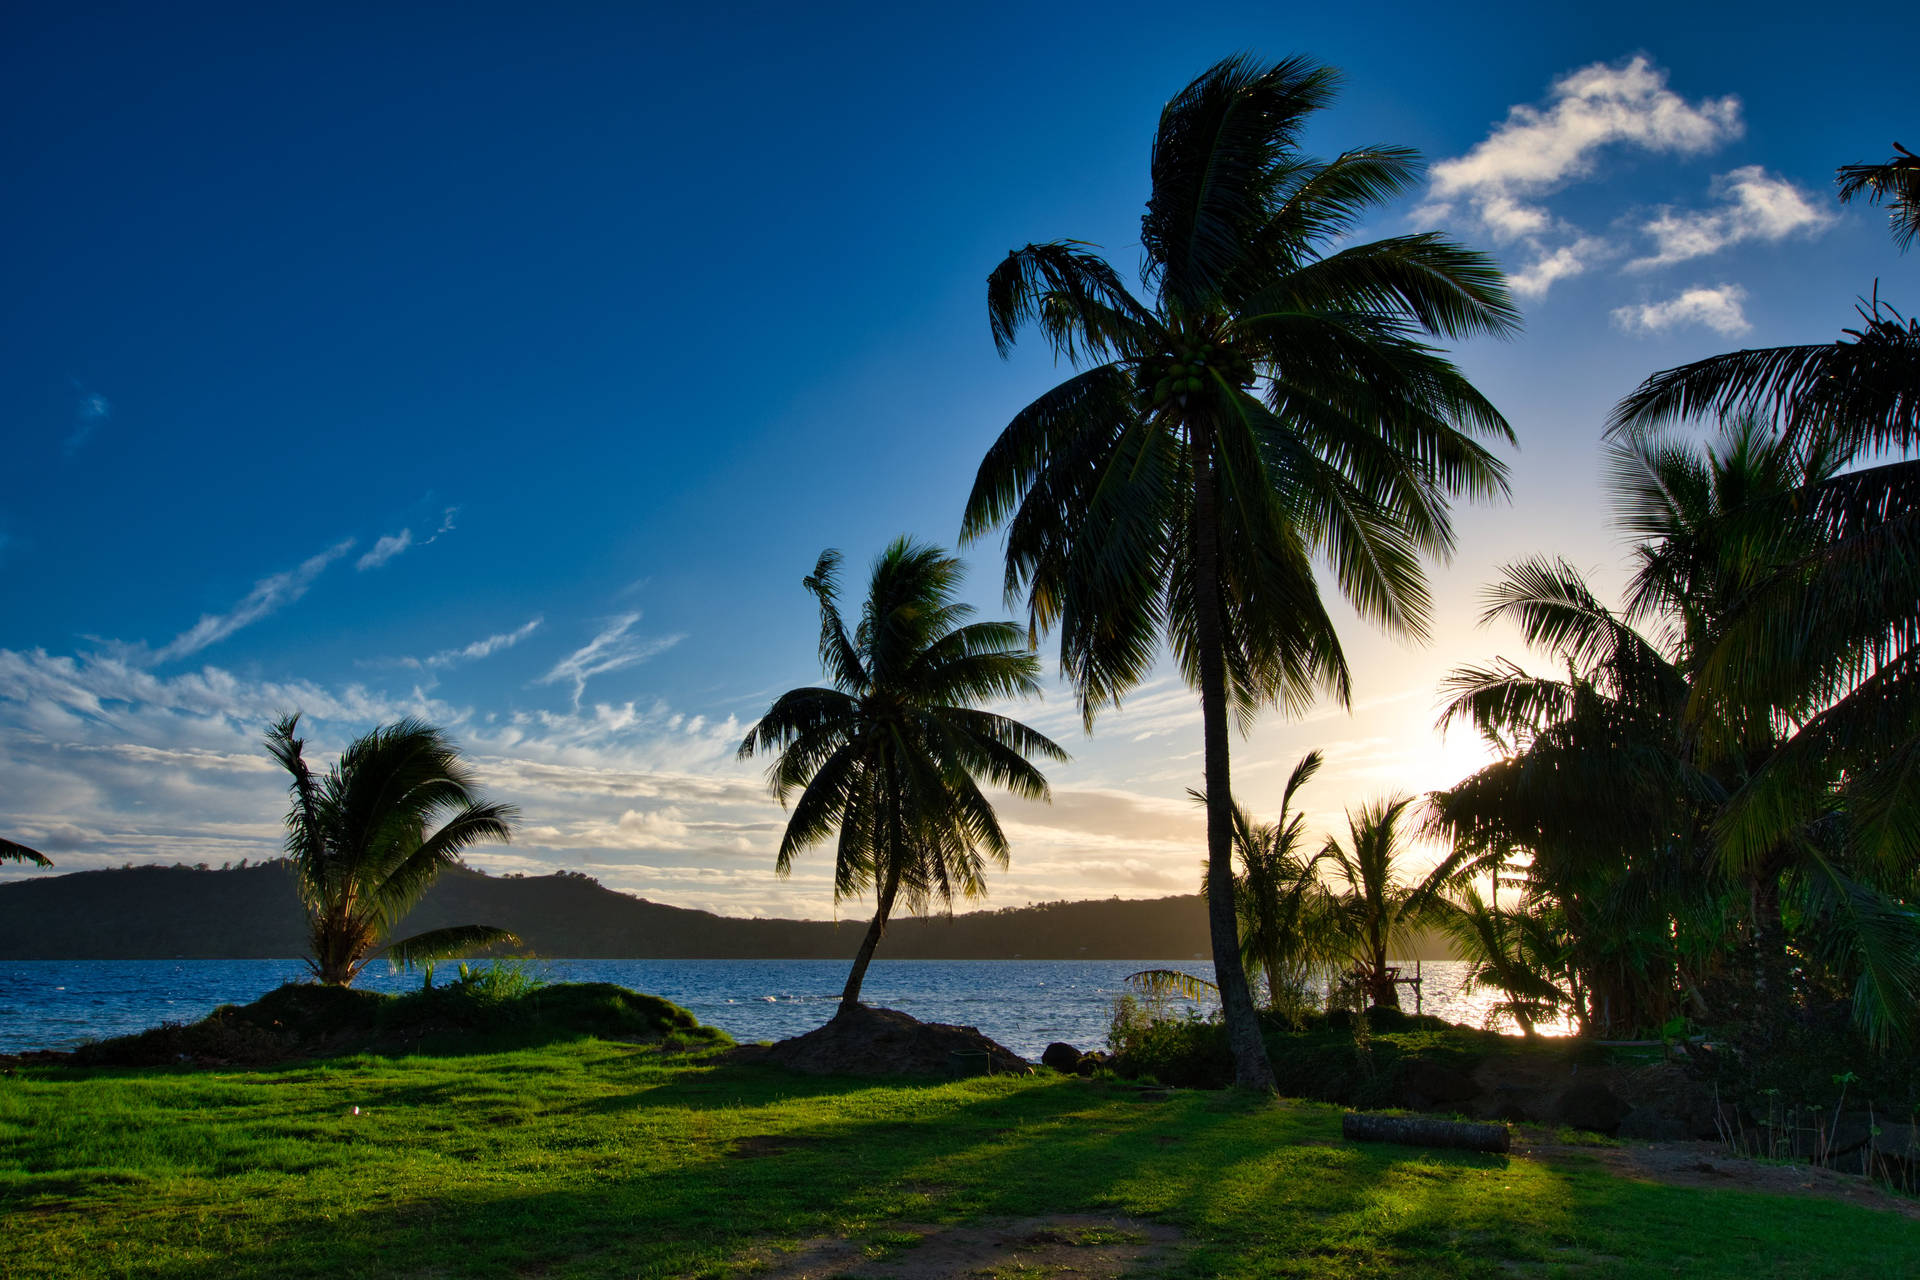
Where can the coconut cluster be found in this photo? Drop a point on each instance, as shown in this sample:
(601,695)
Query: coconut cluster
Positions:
(1191,369)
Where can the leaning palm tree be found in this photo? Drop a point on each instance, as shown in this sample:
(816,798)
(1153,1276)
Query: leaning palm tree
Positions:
(892,754)
(1269,402)
(365,846)
(13,851)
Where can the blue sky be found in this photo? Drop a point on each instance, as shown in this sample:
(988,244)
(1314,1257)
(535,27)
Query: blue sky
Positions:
(511,368)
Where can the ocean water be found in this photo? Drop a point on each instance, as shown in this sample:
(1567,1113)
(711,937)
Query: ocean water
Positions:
(1024,1004)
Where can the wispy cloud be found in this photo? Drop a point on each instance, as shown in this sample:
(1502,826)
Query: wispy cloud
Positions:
(1755,205)
(611,650)
(384,550)
(1501,183)
(446,526)
(473,652)
(1718,308)
(89,411)
(268,594)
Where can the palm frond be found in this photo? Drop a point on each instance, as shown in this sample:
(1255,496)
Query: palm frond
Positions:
(14,851)
(446,944)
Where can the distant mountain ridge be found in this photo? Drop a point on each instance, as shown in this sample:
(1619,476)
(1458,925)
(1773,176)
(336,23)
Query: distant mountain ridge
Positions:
(185,912)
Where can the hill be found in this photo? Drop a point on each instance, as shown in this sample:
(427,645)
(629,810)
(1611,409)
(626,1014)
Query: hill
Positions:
(182,912)
(186,912)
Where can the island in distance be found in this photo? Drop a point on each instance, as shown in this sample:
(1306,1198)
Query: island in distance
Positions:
(183,912)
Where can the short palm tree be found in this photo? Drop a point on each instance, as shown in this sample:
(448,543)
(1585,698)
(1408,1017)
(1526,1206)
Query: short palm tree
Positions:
(1288,928)
(13,851)
(892,755)
(1518,953)
(1272,401)
(1378,909)
(369,837)
(1281,905)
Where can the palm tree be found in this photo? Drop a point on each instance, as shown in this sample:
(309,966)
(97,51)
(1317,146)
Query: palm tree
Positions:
(1377,910)
(1285,919)
(892,755)
(365,848)
(1895,182)
(1711,771)
(1519,953)
(12,851)
(1279,901)
(1270,403)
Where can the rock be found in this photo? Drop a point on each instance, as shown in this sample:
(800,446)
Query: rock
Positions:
(885,1042)
(1062,1057)
(1589,1104)
(1426,1085)
(1649,1125)
(1669,1090)
(1092,1062)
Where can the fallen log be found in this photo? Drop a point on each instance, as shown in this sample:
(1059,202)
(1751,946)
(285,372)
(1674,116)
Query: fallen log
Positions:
(1424,1131)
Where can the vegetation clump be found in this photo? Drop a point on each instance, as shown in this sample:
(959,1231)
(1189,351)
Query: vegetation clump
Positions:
(488,1010)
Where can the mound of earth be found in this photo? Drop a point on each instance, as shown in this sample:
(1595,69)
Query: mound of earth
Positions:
(885,1042)
(304,1020)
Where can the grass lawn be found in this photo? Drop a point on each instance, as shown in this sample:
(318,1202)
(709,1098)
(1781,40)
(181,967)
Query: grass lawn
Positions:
(594,1158)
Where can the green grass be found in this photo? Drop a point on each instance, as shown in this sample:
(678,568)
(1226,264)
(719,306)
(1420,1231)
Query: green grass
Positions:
(594,1158)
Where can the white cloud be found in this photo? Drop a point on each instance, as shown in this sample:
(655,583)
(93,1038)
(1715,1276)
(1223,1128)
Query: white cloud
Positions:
(1535,151)
(610,650)
(267,595)
(1718,308)
(446,526)
(473,652)
(386,549)
(1755,206)
(1533,280)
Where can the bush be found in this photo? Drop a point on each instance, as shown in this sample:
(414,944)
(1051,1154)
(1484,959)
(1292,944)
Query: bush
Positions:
(1334,1057)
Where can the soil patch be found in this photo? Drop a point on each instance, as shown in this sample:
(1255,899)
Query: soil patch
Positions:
(1707,1164)
(1079,1245)
(886,1042)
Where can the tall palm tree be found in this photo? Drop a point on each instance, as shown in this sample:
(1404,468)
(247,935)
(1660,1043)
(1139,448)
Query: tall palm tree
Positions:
(13,851)
(365,847)
(893,754)
(1266,403)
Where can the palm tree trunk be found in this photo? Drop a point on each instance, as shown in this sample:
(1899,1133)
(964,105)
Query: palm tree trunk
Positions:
(1251,1070)
(1385,994)
(1769,952)
(850,995)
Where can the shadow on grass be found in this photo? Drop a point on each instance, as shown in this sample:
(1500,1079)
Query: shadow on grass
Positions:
(690,1168)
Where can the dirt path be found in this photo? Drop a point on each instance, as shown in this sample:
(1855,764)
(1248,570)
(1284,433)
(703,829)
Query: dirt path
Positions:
(1707,1164)
(1079,1245)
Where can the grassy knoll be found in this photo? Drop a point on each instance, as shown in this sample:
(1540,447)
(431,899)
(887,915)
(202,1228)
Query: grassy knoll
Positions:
(595,1158)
